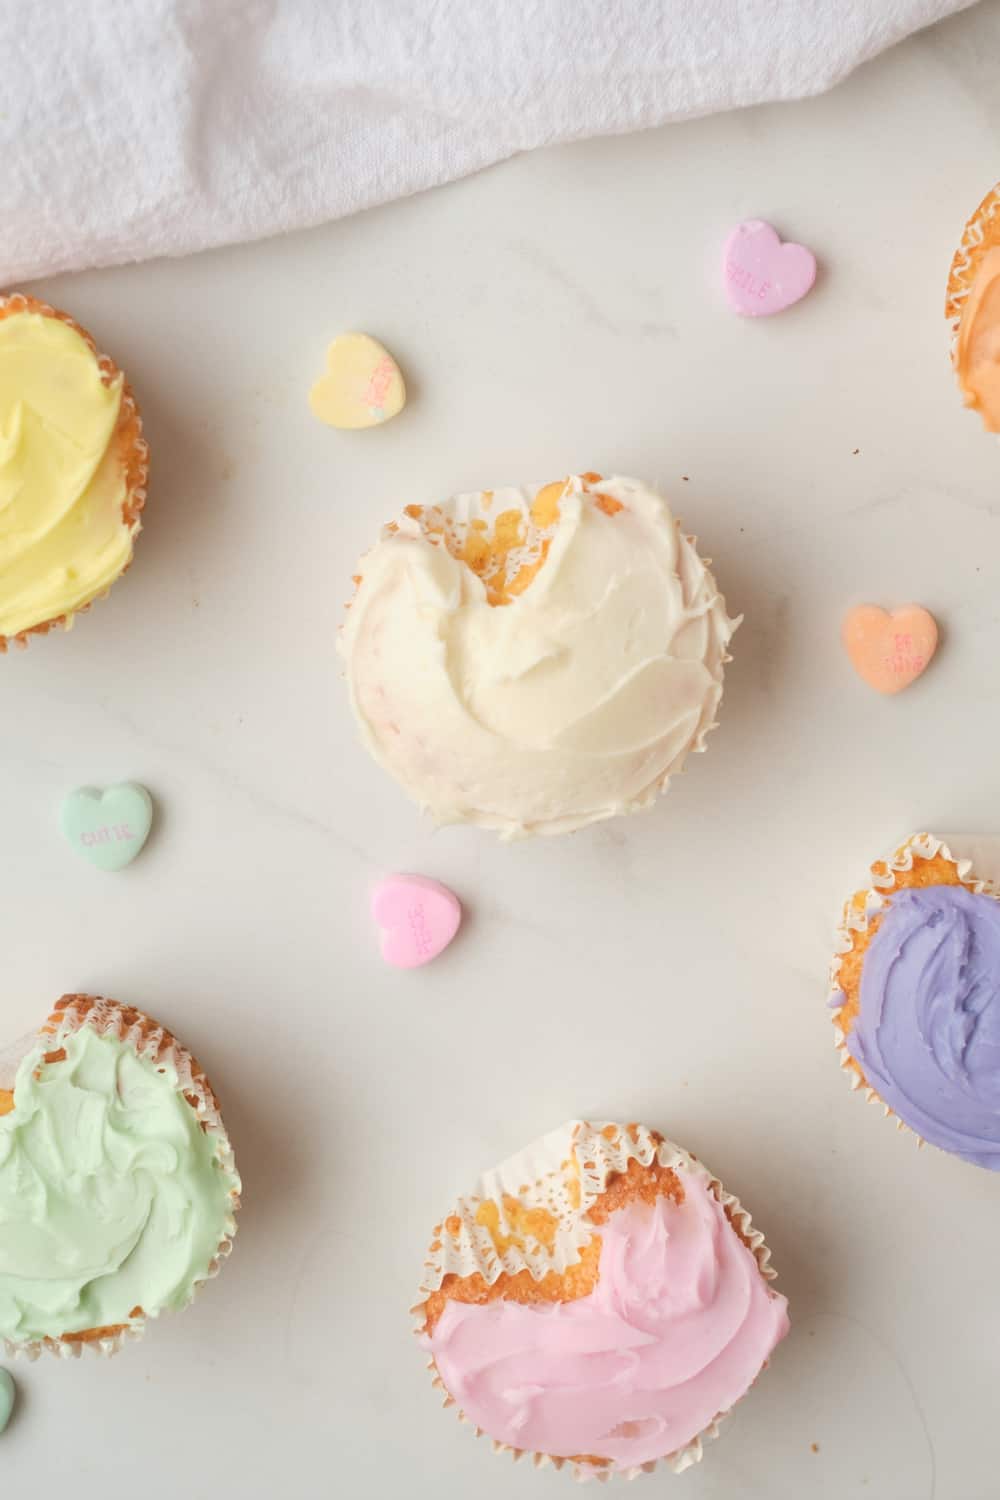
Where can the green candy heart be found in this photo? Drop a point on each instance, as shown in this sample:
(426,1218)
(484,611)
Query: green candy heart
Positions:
(7,1389)
(108,827)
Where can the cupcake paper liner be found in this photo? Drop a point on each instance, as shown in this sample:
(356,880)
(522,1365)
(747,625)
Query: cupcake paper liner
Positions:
(128,433)
(860,910)
(153,1042)
(543,1176)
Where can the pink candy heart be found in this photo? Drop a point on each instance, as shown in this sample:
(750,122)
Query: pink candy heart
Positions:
(418,916)
(763,275)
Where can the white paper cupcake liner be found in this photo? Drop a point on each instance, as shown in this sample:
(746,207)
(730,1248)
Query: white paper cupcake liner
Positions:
(153,1042)
(541,1176)
(860,910)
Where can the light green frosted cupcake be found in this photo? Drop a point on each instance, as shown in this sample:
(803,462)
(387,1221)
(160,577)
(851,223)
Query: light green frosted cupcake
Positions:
(118,1188)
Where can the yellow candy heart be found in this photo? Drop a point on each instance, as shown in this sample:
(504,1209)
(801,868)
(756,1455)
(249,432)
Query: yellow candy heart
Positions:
(362,385)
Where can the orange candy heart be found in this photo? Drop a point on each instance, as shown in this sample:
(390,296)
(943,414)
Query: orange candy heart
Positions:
(889,651)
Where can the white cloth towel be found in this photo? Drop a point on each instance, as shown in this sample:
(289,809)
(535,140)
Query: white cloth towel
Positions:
(131,128)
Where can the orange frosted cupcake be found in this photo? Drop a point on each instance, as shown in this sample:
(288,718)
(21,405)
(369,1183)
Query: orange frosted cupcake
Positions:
(118,1189)
(973,309)
(73,466)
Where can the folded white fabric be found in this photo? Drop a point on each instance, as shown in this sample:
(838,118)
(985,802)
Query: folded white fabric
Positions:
(131,128)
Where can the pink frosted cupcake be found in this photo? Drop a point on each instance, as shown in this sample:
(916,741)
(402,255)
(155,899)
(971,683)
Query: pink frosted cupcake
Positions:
(600,1302)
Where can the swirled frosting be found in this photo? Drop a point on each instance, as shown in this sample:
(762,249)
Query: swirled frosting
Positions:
(63,535)
(113,1201)
(977,347)
(675,1331)
(571,696)
(927,1035)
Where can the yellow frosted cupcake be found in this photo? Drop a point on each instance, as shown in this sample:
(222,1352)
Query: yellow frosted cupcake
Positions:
(973,308)
(534,660)
(73,467)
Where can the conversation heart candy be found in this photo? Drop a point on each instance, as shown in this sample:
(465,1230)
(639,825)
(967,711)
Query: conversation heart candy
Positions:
(418,917)
(108,827)
(889,651)
(7,1394)
(362,386)
(764,275)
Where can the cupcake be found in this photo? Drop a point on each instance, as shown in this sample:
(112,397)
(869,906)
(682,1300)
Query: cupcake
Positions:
(599,1302)
(534,660)
(916,998)
(118,1190)
(72,470)
(973,309)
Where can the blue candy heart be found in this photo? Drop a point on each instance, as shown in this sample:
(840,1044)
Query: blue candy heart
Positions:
(108,827)
(7,1390)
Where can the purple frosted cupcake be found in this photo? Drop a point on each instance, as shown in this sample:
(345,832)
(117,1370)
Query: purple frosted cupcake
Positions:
(916,998)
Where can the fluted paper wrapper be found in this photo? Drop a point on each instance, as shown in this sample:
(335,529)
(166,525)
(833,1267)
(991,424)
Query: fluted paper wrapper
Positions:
(134,452)
(153,1042)
(543,1176)
(865,906)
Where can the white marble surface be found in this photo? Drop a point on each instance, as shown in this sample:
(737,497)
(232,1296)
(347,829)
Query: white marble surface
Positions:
(560,312)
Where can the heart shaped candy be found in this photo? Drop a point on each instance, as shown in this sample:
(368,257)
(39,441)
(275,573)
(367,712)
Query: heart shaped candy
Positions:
(418,916)
(7,1392)
(889,651)
(763,274)
(362,386)
(108,827)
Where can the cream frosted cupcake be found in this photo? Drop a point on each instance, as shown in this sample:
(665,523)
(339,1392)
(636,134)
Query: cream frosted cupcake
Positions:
(916,998)
(534,660)
(599,1301)
(73,466)
(118,1190)
(973,309)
